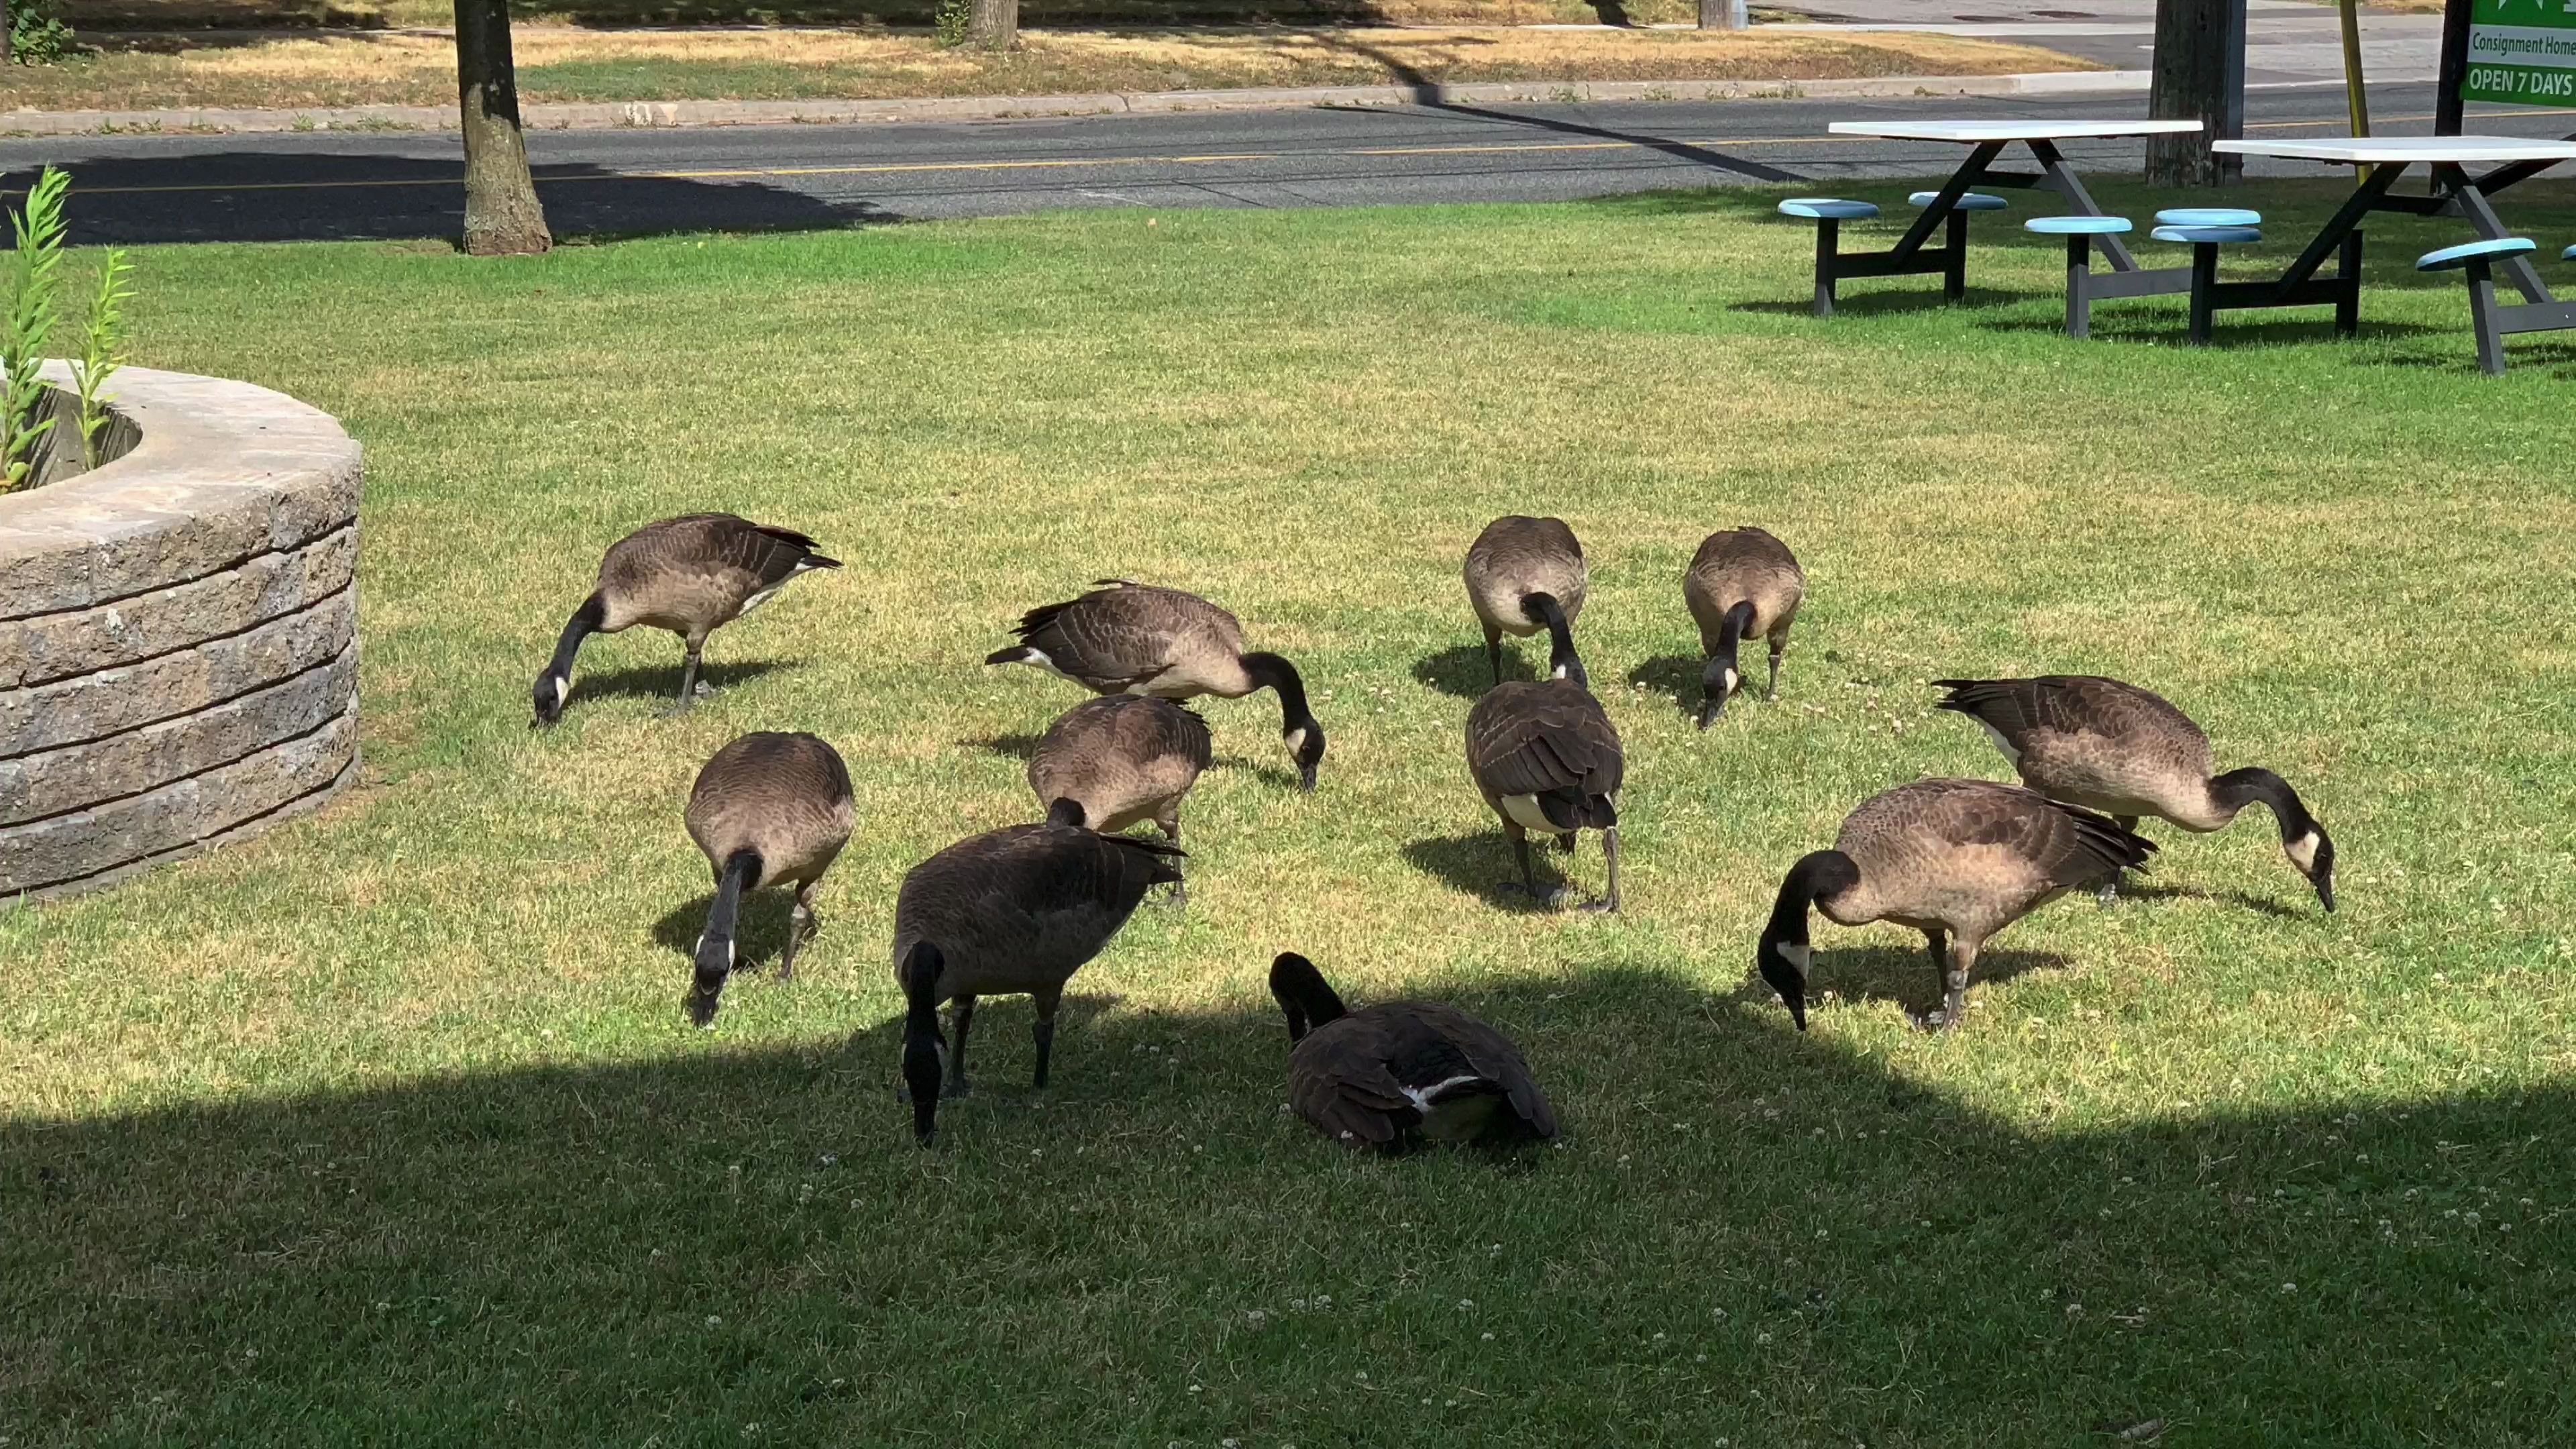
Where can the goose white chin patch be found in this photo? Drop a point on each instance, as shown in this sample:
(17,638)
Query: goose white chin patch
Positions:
(563,689)
(2303,851)
(2001,743)
(1295,739)
(1730,678)
(1796,955)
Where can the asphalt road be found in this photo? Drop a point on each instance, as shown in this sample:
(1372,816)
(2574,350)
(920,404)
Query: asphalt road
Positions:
(400,185)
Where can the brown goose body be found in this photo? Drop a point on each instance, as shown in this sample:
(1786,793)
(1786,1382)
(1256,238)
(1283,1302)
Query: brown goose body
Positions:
(1954,859)
(1123,759)
(1402,1072)
(767,809)
(1018,910)
(2116,748)
(691,575)
(1547,759)
(1518,572)
(1130,638)
(1742,584)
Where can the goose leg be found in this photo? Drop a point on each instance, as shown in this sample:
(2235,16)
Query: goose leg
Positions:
(1171,828)
(689,679)
(1938,943)
(1771,691)
(1494,651)
(1547,899)
(1610,848)
(2109,890)
(1046,1003)
(961,1018)
(1955,964)
(801,927)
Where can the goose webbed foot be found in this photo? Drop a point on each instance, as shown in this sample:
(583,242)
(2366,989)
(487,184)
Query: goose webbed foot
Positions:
(2108,892)
(1936,1021)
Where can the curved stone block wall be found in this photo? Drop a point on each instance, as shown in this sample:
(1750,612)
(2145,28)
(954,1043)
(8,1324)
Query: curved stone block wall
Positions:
(178,634)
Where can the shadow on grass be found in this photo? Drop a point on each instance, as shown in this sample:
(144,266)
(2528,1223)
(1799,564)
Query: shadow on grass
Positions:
(2136,889)
(760,930)
(662,681)
(1907,978)
(1480,864)
(1882,303)
(1009,747)
(1466,673)
(301,193)
(712,1236)
(1674,676)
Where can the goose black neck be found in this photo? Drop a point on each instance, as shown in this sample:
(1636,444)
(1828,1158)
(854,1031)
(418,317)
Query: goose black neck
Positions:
(922,1044)
(1562,661)
(1818,873)
(1270,672)
(715,944)
(2237,789)
(1732,628)
(585,622)
(1064,810)
(1304,997)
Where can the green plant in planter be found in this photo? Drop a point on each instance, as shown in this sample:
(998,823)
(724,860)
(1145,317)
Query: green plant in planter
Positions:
(35,272)
(103,349)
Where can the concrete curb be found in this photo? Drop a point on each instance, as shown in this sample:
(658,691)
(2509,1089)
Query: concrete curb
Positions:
(616,115)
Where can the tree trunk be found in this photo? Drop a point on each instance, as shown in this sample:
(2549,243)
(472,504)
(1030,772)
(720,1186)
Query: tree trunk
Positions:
(502,217)
(1722,15)
(2199,75)
(994,24)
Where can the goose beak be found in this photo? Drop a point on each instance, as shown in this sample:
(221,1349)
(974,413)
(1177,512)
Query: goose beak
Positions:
(2325,892)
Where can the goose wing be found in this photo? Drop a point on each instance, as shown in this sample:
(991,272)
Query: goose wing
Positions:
(1547,740)
(1121,636)
(2066,845)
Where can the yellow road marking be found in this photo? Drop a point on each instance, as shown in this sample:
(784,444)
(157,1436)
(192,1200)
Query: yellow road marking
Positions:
(749,173)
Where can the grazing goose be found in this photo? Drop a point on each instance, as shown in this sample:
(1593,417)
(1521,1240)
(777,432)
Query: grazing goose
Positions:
(1546,758)
(1526,574)
(1120,760)
(1018,909)
(1131,638)
(1391,1075)
(691,575)
(2116,748)
(1742,584)
(768,809)
(1964,858)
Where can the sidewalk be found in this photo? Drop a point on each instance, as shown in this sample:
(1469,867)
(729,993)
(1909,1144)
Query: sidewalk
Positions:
(659,114)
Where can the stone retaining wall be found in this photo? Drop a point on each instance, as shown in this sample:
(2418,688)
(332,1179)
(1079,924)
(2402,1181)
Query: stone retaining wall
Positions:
(178,634)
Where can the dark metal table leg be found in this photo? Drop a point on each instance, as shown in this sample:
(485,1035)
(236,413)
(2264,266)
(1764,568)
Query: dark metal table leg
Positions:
(2204,278)
(2490,227)
(2063,181)
(2348,271)
(2482,316)
(1954,277)
(1828,246)
(2079,300)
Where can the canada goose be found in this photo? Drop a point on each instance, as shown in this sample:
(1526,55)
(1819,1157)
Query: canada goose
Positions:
(1526,574)
(1018,909)
(1392,1074)
(691,575)
(1123,759)
(1742,584)
(1962,857)
(1546,758)
(768,809)
(2117,748)
(1130,638)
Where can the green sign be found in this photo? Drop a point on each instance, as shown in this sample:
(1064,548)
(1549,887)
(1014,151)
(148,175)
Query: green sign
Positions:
(2522,52)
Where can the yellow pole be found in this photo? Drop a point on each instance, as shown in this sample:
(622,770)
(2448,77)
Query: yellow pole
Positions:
(2355,98)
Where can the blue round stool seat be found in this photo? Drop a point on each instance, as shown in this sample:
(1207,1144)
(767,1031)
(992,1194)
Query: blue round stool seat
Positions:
(1827,208)
(2466,252)
(1968,200)
(2209,216)
(2076,225)
(2207,235)
(2568,255)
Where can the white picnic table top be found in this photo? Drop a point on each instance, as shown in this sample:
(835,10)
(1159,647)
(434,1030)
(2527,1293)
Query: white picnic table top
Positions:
(2382,150)
(1975,133)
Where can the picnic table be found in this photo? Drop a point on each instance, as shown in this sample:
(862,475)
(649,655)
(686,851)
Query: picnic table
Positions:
(2514,158)
(1987,141)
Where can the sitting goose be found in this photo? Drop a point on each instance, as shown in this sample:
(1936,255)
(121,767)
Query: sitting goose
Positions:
(1120,760)
(2116,748)
(691,575)
(768,809)
(1019,909)
(1742,584)
(1961,857)
(1546,758)
(1403,1072)
(1526,574)
(1131,638)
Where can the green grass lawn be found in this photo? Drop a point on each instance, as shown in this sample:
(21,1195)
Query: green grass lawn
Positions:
(389,1128)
